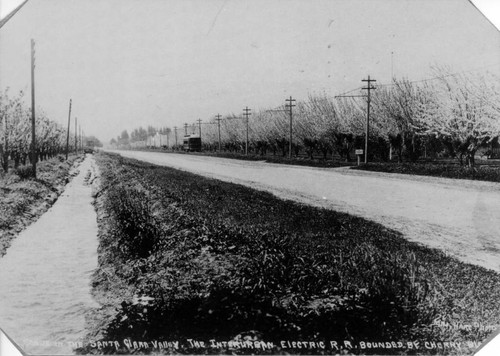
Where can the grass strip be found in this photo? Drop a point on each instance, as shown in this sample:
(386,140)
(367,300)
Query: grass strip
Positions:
(489,173)
(186,257)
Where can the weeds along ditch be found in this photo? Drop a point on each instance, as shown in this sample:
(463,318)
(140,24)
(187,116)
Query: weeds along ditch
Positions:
(23,199)
(186,257)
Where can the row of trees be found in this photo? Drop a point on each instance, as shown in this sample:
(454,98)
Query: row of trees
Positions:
(449,115)
(138,135)
(453,113)
(15,133)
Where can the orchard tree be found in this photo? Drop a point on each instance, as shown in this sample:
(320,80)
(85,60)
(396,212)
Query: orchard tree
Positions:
(402,110)
(352,120)
(318,122)
(123,139)
(15,132)
(468,115)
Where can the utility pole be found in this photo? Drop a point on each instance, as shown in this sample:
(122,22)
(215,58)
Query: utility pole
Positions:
(67,135)
(76,137)
(368,87)
(218,118)
(175,129)
(33,137)
(6,144)
(246,113)
(392,66)
(290,105)
(199,126)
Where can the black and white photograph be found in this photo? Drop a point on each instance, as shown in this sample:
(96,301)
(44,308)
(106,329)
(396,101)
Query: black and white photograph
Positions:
(249,177)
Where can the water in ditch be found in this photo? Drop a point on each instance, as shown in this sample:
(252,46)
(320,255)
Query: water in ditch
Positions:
(45,275)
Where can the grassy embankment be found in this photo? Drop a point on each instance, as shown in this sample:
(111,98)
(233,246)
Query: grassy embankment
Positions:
(182,256)
(23,199)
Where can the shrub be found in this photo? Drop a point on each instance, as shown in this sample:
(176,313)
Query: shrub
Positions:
(25,172)
(136,227)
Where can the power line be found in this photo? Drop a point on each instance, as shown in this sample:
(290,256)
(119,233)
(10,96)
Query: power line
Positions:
(420,80)
(347,92)
(442,76)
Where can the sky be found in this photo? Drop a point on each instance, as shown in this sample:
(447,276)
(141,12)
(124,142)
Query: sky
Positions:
(130,63)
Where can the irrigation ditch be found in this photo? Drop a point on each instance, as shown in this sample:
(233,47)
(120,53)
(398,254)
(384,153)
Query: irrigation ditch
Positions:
(24,200)
(45,273)
(189,264)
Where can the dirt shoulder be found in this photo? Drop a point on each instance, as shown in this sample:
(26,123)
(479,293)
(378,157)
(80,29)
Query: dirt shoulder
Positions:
(23,201)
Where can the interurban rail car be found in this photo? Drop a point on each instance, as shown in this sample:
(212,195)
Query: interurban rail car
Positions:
(192,143)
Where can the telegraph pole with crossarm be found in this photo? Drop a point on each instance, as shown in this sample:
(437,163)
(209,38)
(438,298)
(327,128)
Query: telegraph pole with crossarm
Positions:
(290,105)
(246,113)
(218,119)
(368,88)
(199,126)
(67,135)
(76,137)
(33,119)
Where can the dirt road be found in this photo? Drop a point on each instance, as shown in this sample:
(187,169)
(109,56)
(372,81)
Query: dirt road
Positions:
(459,217)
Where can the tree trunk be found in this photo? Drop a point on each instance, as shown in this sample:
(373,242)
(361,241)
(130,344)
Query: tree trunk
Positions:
(6,161)
(16,160)
(470,160)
